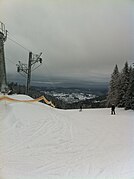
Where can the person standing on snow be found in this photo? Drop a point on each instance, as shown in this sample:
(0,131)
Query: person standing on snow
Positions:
(80,108)
(113,109)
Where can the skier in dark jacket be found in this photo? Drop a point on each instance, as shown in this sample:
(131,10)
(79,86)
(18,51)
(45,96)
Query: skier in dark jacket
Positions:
(113,109)
(80,108)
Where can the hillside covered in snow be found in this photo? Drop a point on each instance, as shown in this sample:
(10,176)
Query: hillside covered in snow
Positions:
(41,142)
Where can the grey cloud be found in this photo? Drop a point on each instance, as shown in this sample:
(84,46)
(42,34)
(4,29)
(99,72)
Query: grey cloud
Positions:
(81,38)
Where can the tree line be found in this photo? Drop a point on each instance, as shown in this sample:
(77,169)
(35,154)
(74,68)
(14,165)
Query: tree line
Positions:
(121,88)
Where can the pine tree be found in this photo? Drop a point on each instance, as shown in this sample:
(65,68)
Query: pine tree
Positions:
(129,104)
(123,85)
(132,90)
(113,88)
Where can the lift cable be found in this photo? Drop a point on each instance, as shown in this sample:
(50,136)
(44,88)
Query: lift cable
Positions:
(19,44)
(13,39)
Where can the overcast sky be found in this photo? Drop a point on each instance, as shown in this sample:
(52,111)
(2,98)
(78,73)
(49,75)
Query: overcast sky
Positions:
(80,39)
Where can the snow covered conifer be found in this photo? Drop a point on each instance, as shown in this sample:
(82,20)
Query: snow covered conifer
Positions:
(129,104)
(123,85)
(113,88)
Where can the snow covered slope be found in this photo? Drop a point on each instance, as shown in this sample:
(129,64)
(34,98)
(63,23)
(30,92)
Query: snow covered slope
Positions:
(40,142)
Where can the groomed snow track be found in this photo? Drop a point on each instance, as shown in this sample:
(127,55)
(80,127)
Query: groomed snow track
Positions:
(41,142)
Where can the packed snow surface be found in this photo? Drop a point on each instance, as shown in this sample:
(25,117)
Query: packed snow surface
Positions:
(41,142)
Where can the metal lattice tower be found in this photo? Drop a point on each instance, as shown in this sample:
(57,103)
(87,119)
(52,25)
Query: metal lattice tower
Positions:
(3,37)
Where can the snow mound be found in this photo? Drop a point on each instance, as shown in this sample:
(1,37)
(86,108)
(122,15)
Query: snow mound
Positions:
(41,142)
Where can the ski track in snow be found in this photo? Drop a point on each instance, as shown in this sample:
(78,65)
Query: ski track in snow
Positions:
(40,142)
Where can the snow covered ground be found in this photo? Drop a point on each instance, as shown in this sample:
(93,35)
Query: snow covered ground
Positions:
(40,142)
